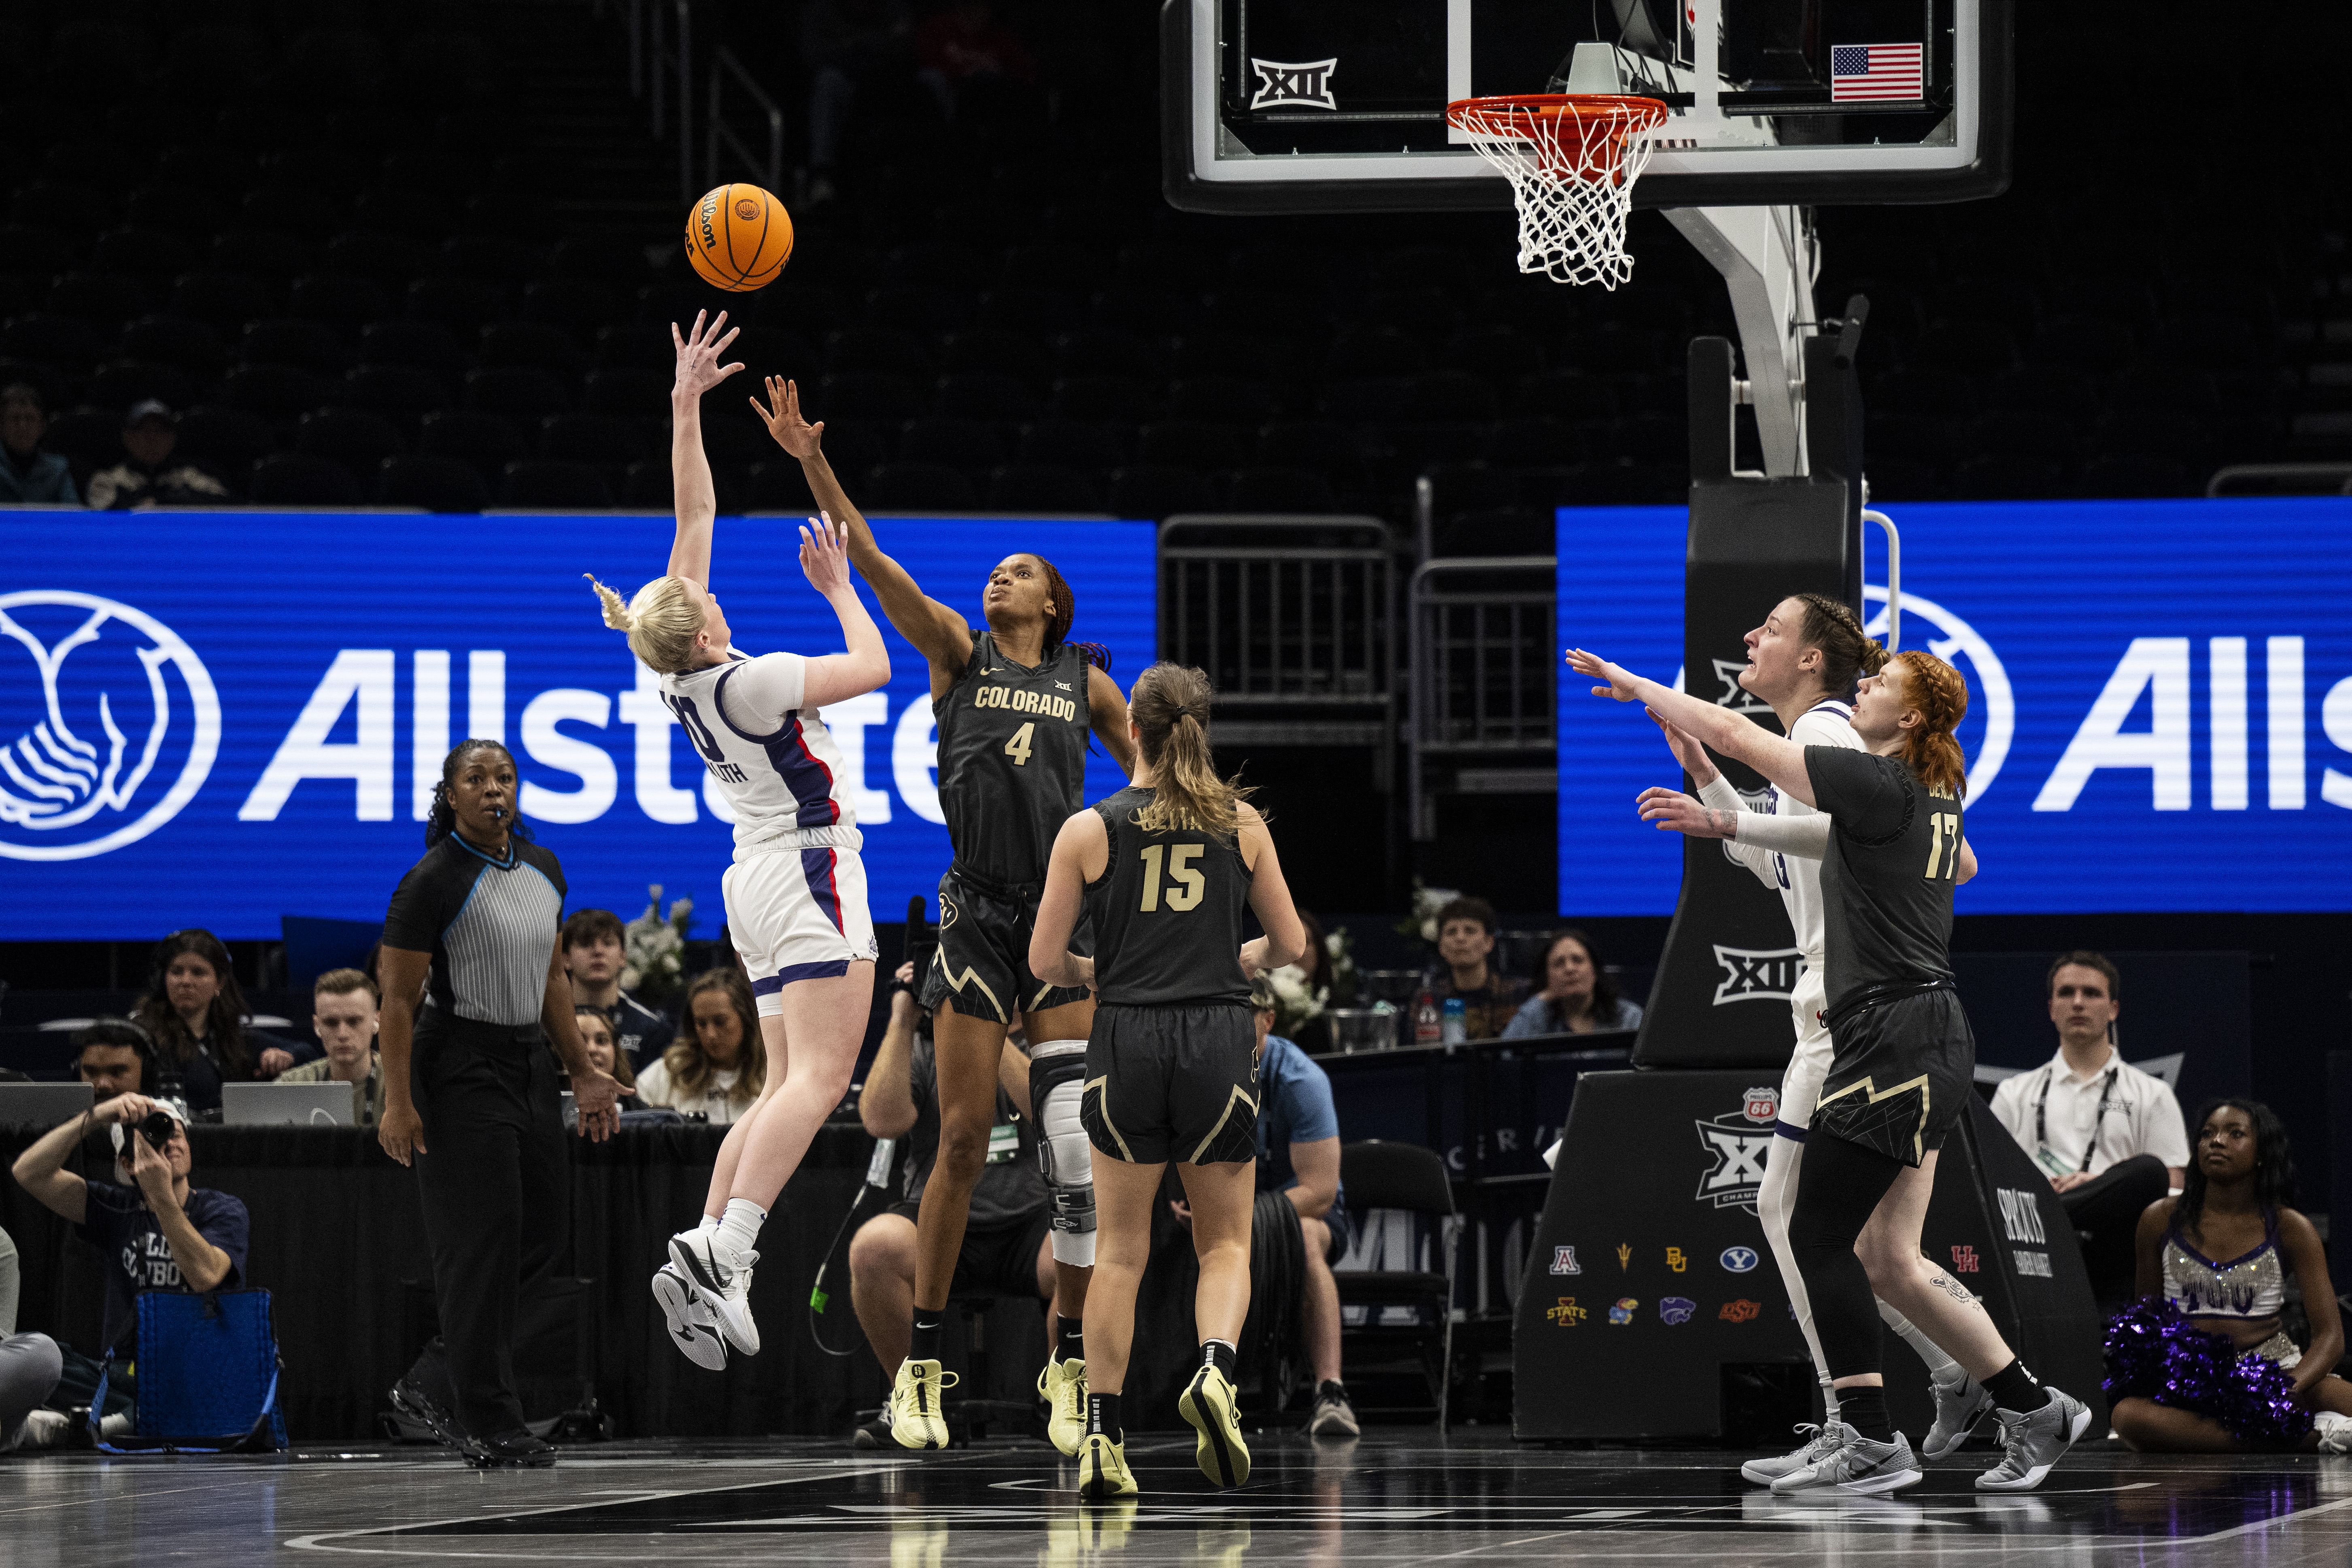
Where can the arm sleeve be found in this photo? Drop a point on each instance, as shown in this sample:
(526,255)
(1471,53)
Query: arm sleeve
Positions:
(1717,795)
(224,1221)
(758,695)
(2165,1134)
(1807,836)
(1868,795)
(414,919)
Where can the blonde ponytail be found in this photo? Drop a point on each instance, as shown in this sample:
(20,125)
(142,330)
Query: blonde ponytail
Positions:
(662,622)
(1170,706)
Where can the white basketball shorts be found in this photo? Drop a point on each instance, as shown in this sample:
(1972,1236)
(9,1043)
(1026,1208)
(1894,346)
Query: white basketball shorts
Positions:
(1800,1086)
(798,914)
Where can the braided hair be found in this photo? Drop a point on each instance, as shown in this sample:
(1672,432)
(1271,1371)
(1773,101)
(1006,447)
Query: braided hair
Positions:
(1847,653)
(1941,697)
(1065,611)
(442,819)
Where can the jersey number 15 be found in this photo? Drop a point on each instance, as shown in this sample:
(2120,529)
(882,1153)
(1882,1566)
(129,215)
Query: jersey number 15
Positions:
(1185,884)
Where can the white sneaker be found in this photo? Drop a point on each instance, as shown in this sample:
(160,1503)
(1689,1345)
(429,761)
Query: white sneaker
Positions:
(693,1326)
(48,1429)
(2034,1442)
(722,1279)
(1961,1408)
(1804,1456)
(1857,1464)
(2334,1431)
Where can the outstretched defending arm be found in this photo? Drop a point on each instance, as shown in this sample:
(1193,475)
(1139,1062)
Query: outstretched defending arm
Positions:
(696,499)
(1781,761)
(937,633)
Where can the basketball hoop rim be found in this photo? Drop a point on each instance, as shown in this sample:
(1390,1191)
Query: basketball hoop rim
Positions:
(1591,112)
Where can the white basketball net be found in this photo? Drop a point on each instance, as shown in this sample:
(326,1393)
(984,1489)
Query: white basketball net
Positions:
(1571,162)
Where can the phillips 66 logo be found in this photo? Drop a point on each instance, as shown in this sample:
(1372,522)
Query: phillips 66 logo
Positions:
(1738,1141)
(109,724)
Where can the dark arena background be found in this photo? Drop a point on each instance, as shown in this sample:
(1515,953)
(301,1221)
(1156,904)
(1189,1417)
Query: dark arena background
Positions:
(335,346)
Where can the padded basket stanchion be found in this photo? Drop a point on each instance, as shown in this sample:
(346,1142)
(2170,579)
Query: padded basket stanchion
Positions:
(1571,159)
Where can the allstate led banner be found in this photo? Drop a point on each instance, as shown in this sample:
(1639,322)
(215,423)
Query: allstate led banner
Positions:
(2159,698)
(220,718)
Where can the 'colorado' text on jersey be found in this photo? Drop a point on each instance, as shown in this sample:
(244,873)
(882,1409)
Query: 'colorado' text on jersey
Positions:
(784,785)
(1012,759)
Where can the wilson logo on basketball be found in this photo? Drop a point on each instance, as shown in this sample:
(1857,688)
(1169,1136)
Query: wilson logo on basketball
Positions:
(747,209)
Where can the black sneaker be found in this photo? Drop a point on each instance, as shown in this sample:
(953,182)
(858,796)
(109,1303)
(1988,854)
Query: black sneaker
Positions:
(408,1398)
(516,1449)
(1334,1416)
(874,1433)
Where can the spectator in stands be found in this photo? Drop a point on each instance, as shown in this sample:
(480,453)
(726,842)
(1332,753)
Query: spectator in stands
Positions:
(1008,1244)
(29,1368)
(2109,1137)
(1298,1156)
(147,476)
(1465,970)
(596,1039)
(1577,995)
(195,1014)
(111,1055)
(718,1066)
(28,474)
(846,44)
(594,953)
(962,47)
(344,1014)
(155,1230)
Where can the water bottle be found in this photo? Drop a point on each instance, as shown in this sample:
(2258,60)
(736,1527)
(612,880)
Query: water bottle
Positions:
(1427,1029)
(1456,1027)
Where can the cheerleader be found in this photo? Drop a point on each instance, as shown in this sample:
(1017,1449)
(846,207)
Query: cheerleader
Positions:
(795,896)
(1904,1062)
(1164,867)
(1016,702)
(1803,661)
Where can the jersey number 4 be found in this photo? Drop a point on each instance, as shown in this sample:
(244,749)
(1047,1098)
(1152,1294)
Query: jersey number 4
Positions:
(1018,748)
(1943,845)
(1185,884)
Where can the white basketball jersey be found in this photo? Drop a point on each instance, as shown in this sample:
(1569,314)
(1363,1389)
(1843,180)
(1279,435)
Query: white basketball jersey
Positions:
(1800,880)
(785,786)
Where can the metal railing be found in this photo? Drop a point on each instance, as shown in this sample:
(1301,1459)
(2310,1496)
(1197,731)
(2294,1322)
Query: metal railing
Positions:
(1292,612)
(1483,663)
(2282,480)
(662,68)
(724,66)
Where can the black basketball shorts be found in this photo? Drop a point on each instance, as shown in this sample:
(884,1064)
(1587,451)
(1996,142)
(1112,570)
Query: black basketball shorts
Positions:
(1172,1083)
(982,967)
(1901,1076)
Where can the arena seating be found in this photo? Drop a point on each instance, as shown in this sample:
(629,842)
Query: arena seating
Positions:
(429,306)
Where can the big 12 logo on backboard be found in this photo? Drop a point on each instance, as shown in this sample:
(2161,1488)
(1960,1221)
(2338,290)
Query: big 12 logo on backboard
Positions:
(1738,1142)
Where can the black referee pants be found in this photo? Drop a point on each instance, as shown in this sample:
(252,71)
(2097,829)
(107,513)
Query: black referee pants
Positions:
(497,1185)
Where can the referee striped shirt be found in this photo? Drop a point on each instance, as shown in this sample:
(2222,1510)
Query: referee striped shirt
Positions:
(490,923)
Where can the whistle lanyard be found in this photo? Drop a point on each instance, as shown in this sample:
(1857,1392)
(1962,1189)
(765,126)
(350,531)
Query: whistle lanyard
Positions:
(2098,1118)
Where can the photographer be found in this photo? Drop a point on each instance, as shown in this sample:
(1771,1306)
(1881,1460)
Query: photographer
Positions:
(158,1232)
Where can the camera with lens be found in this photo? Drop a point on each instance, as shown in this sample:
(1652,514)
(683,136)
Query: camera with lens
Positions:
(158,1128)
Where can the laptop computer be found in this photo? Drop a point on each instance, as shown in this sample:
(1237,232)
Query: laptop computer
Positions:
(43,1105)
(276,1104)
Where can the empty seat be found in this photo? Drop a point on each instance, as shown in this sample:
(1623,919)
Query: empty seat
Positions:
(1154,491)
(492,259)
(533,345)
(1319,444)
(104,300)
(1124,398)
(861,349)
(1237,399)
(852,449)
(488,441)
(2008,476)
(1377,351)
(636,347)
(48,204)
(994,350)
(401,392)
(1498,354)
(556,486)
(433,483)
(577,306)
(1026,308)
(280,391)
(122,382)
(226,438)
(339,299)
(952,442)
(1368,399)
(1108,351)
(355,437)
(1568,394)
(1280,490)
(304,479)
(86,438)
(423,217)
(595,260)
(425,345)
(984,394)
(179,341)
(647,485)
(629,392)
(2125,475)
(923,308)
(389,259)
(34,249)
(919,487)
(590,438)
(1538,442)
(1193,444)
(148,252)
(222,301)
(517,391)
(289,339)
(1084,444)
(867,395)
(460,304)
(782,485)
(1044,487)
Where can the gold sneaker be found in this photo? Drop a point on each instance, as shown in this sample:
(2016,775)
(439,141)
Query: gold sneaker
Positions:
(917,1420)
(1102,1470)
(1063,1387)
(1207,1402)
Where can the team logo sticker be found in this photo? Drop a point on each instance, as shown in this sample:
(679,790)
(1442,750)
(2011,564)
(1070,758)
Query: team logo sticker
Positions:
(1738,1143)
(1563,1261)
(109,724)
(1302,84)
(1677,1260)
(1964,1260)
(1566,1315)
(1623,1312)
(1676,1308)
(1624,1256)
(1737,1260)
(1740,1312)
(1756,974)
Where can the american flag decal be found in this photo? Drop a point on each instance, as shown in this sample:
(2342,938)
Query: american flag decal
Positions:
(1861,72)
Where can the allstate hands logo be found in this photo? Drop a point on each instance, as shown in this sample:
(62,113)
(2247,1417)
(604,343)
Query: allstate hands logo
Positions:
(106,730)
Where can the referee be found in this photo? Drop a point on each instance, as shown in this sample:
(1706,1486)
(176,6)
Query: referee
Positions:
(473,929)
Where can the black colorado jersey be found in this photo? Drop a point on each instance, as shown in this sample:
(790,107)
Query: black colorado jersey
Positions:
(1887,881)
(1167,913)
(1012,759)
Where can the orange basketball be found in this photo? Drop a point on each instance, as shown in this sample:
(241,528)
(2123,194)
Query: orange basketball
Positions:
(738,239)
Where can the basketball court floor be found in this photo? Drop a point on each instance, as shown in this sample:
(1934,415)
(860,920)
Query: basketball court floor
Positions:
(1388,1501)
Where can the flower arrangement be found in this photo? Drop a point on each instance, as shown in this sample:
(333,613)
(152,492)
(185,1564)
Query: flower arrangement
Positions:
(1426,903)
(653,953)
(1297,1001)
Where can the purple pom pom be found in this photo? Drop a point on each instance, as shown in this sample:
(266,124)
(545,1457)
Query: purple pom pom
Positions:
(2154,1352)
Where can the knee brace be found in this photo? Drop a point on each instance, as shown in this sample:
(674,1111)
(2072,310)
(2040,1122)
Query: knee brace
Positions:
(1057,1071)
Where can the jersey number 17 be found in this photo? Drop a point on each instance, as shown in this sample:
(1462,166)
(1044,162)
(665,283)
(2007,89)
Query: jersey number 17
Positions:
(1943,845)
